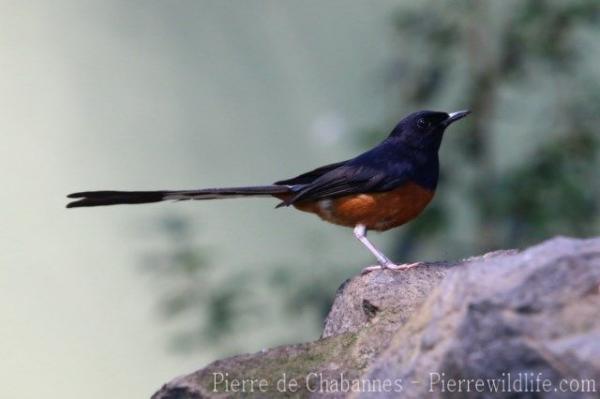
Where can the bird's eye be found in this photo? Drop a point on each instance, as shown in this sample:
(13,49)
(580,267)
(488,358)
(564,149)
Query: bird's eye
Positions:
(422,124)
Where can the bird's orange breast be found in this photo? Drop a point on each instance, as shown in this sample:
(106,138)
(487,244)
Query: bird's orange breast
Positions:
(377,211)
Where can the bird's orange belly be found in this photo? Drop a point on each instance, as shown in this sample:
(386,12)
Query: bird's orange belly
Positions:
(377,211)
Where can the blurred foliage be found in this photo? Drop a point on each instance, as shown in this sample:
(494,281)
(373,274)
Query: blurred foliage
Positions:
(495,192)
(211,307)
(186,288)
(559,197)
(307,292)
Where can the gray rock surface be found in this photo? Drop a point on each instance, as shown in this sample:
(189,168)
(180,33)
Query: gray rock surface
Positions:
(526,324)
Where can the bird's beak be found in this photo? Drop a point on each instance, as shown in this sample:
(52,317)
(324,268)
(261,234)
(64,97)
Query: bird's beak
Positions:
(454,116)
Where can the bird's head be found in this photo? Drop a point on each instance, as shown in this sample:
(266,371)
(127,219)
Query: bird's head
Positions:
(424,129)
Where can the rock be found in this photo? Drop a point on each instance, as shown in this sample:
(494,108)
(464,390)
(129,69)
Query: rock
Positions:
(529,321)
(392,297)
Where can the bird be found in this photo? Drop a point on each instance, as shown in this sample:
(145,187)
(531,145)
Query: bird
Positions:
(380,189)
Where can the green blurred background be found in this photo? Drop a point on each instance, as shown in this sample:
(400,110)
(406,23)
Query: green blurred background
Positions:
(183,94)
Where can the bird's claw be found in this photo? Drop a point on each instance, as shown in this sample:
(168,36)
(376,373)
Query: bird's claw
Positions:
(369,269)
(391,266)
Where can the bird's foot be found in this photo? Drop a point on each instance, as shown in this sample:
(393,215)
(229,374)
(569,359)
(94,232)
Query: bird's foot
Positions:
(392,266)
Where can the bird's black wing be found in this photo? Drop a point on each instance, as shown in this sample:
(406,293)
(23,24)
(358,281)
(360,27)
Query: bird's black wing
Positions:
(351,178)
(309,177)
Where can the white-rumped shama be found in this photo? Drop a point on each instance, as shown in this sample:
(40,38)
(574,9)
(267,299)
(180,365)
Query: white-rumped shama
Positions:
(380,189)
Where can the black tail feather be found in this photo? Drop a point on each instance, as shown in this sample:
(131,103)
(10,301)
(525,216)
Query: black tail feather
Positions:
(100,198)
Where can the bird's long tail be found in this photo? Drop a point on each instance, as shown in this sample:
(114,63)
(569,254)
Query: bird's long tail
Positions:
(99,198)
